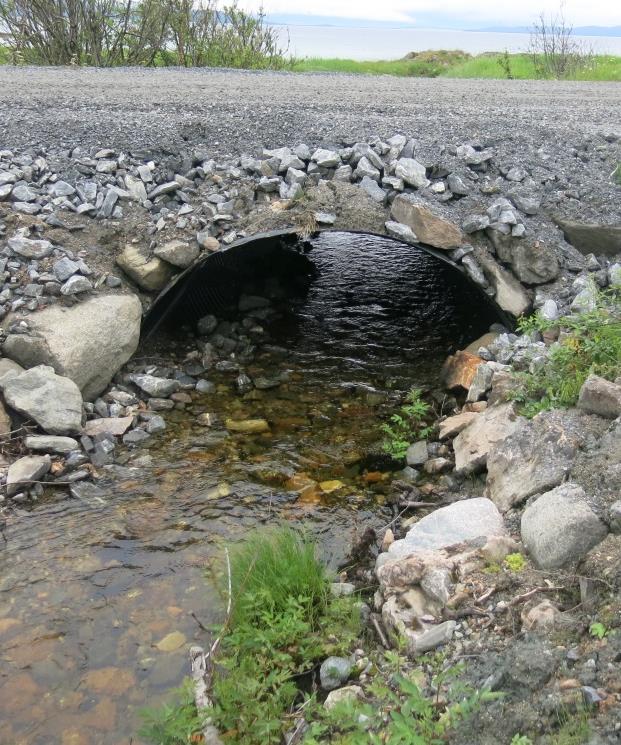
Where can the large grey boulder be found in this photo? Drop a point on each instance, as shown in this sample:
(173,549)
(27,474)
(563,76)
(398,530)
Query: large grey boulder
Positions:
(149,273)
(462,521)
(473,444)
(26,470)
(591,237)
(88,343)
(560,528)
(600,396)
(536,457)
(52,401)
(534,262)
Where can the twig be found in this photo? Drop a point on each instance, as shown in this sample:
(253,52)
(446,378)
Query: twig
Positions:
(380,633)
(418,505)
(218,640)
(531,593)
(464,613)
(201,625)
(486,595)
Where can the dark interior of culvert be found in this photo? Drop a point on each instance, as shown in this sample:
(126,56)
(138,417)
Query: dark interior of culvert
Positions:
(331,284)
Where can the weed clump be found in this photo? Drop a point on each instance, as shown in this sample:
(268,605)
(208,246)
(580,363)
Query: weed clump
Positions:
(589,344)
(406,426)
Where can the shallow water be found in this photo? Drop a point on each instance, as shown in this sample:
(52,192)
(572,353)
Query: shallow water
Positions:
(89,588)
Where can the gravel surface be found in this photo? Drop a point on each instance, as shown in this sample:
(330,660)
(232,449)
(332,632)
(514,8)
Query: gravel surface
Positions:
(232,111)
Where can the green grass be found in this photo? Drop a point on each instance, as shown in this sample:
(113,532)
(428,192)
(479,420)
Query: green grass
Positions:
(458,65)
(284,621)
(429,64)
(276,565)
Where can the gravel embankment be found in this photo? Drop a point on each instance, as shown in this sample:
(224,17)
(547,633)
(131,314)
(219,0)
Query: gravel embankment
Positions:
(232,111)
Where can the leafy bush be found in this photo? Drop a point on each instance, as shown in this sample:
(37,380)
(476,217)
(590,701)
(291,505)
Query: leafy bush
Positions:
(589,344)
(139,32)
(407,426)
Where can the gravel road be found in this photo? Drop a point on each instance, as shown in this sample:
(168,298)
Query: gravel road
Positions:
(231,111)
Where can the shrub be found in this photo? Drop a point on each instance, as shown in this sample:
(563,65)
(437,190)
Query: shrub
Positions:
(139,32)
(590,344)
(555,52)
(406,426)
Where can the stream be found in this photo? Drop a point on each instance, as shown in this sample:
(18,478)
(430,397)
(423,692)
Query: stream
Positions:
(100,596)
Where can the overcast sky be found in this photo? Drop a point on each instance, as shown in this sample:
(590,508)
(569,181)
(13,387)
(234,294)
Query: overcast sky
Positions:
(477,12)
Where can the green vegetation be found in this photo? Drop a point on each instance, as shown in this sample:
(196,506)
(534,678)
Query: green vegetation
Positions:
(574,729)
(589,343)
(174,723)
(598,630)
(407,426)
(398,712)
(283,622)
(521,740)
(462,65)
(428,64)
(105,33)
(515,562)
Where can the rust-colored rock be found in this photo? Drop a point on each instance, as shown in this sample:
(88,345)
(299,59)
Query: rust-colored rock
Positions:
(459,369)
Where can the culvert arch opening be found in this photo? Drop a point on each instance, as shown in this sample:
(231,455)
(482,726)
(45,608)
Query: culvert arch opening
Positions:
(315,343)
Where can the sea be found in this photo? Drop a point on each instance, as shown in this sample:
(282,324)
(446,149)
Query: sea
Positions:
(394,43)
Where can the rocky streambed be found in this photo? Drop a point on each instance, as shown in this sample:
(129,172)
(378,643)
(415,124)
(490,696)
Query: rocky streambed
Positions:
(126,467)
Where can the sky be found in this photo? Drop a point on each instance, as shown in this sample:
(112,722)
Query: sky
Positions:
(470,13)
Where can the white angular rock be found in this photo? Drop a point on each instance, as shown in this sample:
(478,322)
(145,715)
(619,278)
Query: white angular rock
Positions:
(534,458)
(150,273)
(462,521)
(51,444)
(88,342)
(326,158)
(178,253)
(26,470)
(509,293)
(154,386)
(52,401)
(474,443)
(400,231)
(75,285)
(30,249)
(412,172)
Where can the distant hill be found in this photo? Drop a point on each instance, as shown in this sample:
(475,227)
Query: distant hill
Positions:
(578,30)
(424,20)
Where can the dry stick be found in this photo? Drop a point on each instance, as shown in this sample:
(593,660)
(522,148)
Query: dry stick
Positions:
(531,593)
(418,505)
(202,663)
(380,633)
